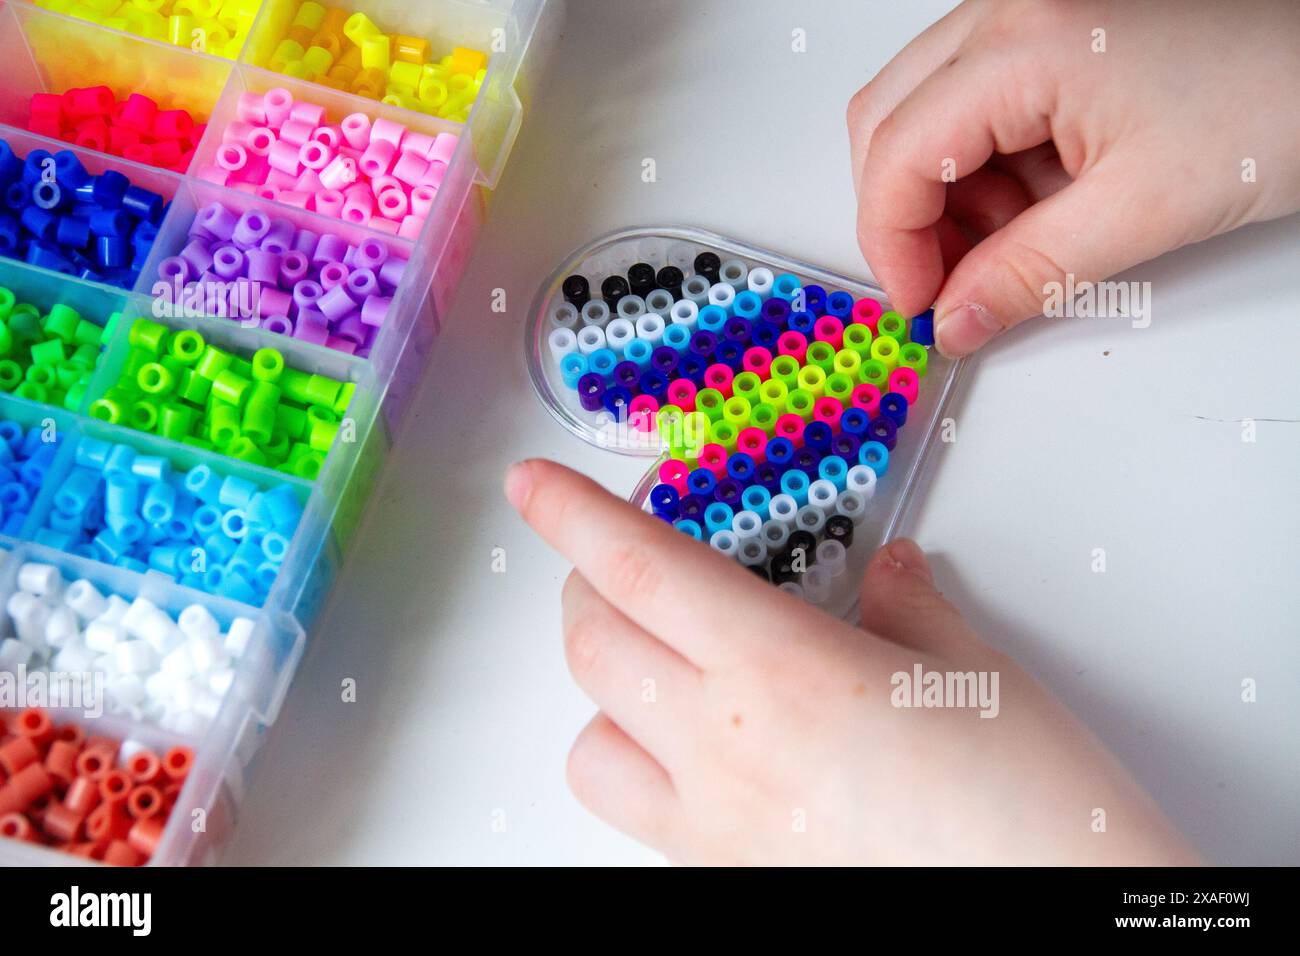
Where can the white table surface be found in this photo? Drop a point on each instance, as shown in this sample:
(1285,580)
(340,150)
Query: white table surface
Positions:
(1072,435)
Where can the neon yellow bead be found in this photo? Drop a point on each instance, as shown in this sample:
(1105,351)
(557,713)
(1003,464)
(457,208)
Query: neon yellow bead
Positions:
(375,53)
(812,380)
(800,402)
(358,28)
(885,351)
(773,393)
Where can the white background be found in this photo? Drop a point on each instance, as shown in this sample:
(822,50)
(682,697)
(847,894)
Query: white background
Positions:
(1072,435)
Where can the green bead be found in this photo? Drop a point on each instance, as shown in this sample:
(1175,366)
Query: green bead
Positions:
(800,402)
(745,385)
(87,333)
(25,323)
(785,369)
(268,365)
(193,387)
(241,367)
(136,359)
(840,386)
(292,421)
(822,356)
(669,424)
(723,433)
(874,373)
(87,356)
(109,328)
(73,398)
(322,435)
(318,413)
(198,442)
(186,346)
(143,415)
(244,449)
(32,391)
(258,422)
(175,421)
(7,301)
(106,410)
(11,373)
(6,338)
(230,387)
(858,339)
(893,325)
(68,373)
(293,384)
(345,397)
(155,379)
(148,335)
(847,362)
(914,357)
(277,449)
(764,416)
(736,412)
(309,465)
(61,322)
(42,375)
(322,390)
(213,362)
(710,402)
(223,425)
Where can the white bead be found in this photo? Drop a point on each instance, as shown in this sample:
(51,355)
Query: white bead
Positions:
(746,524)
(631,307)
(832,556)
(725,542)
(29,615)
(562,342)
(116,609)
(760,281)
(84,600)
(861,479)
(127,690)
(753,551)
(816,584)
(206,705)
(140,610)
(161,687)
(790,587)
(39,579)
(650,327)
(128,749)
(104,664)
(73,658)
(134,657)
(810,518)
(564,315)
(159,631)
(197,621)
(684,312)
(102,636)
(734,273)
(178,664)
(591,339)
(619,333)
(61,627)
(783,508)
(723,295)
(775,534)
(206,653)
(595,313)
(822,494)
(237,638)
(696,288)
(219,681)
(660,301)
(15,654)
(852,505)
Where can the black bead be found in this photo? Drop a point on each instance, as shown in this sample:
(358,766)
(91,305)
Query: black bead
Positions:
(708,265)
(613,289)
(805,541)
(782,567)
(670,279)
(840,528)
(641,278)
(576,291)
(761,571)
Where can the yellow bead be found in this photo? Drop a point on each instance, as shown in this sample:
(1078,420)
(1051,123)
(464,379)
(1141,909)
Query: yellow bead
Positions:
(317,59)
(358,28)
(296,69)
(407,74)
(180,29)
(432,92)
(309,15)
(375,53)
(287,52)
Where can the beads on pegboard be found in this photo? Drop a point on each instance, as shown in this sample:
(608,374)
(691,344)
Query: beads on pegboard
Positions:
(89,795)
(134,128)
(58,216)
(254,266)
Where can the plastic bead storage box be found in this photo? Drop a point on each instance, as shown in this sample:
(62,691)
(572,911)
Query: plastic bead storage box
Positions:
(220,280)
(790,409)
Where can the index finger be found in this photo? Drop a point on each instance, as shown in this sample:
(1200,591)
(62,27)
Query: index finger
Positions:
(690,597)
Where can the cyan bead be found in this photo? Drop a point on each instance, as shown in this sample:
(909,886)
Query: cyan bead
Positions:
(159,502)
(236,492)
(202,482)
(795,484)
(92,453)
(207,520)
(151,468)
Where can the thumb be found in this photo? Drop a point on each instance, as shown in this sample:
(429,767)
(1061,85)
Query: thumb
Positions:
(1091,229)
(900,603)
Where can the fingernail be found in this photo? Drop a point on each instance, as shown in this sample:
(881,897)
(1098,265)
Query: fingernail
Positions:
(962,330)
(517,484)
(907,554)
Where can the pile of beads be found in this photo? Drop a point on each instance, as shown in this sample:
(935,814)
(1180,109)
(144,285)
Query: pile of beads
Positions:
(48,358)
(349,52)
(25,459)
(260,411)
(58,216)
(374,173)
(779,402)
(318,288)
(209,530)
(142,662)
(135,128)
(219,27)
(91,796)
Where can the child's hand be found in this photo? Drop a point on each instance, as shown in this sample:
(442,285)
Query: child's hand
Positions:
(739,725)
(1070,160)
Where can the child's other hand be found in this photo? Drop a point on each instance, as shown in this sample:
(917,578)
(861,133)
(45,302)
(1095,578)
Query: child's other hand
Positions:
(1069,159)
(739,725)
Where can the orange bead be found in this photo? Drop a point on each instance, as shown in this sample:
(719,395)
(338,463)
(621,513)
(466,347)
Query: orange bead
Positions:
(62,823)
(19,752)
(115,786)
(350,57)
(370,84)
(105,744)
(342,74)
(330,42)
(122,854)
(145,801)
(144,767)
(301,36)
(61,761)
(24,787)
(36,726)
(71,734)
(177,762)
(82,796)
(87,850)
(15,826)
(334,19)
(108,821)
(146,834)
(94,763)
(410,49)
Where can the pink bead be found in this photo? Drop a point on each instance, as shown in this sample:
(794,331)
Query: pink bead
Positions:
(284,157)
(307,113)
(331,136)
(410,169)
(296,131)
(214,174)
(828,410)
(387,131)
(237,132)
(867,312)
(378,158)
(422,200)
(379,224)
(443,146)
(294,198)
(341,345)
(866,397)
(350,153)
(329,202)
(138,113)
(277,102)
(310,331)
(418,143)
(308,182)
(232,156)
(719,376)
(753,442)
(358,205)
(379,183)
(829,329)
(280,179)
(265,192)
(759,361)
(260,141)
(393,204)
(434,176)
(273,301)
(681,392)
(243,186)
(251,109)
(339,173)
(410,227)
(904,381)
(254,170)
(315,155)
(332,274)
(356,130)
(641,412)
(673,472)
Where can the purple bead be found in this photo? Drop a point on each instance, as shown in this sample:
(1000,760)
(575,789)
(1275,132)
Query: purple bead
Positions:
(362,353)
(198,255)
(314,316)
(332,274)
(279,324)
(293,267)
(346,346)
(174,267)
(331,248)
(243,299)
(363,283)
(390,273)
(279,238)
(374,309)
(273,301)
(309,331)
(228,262)
(304,241)
(351,328)
(263,266)
(306,293)
(371,254)
(217,220)
(251,228)
(336,303)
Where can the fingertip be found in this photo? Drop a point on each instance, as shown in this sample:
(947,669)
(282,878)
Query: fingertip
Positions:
(961,330)
(901,555)
(518,484)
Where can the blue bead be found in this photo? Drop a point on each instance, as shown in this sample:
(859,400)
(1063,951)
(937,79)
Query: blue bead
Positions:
(40,222)
(731,354)
(765,335)
(51,539)
(894,407)
(757,498)
(818,435)
(701,481)
(572,367)
(728,492)
(72,231)
(840,305)
(142,203)
(110,252)
(10,233)
(47,196)
(616,400)
(692,506)
(34,167)
(11,167)
(776,311)
(711,319)
(718,517)
(11,433)
(692,528)
(814,299)
(68,169)
(76,491)
(769,476)
(665,499)
(110,222)
(741,467)
(655,384)
(779,451)
(854,421)
(693,367)
(846,445)
(807,460)
(665,358)
(795,484)
(109,188)
(802,322)
(35,468)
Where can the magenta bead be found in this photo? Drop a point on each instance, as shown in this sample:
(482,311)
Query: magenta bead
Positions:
(273,301)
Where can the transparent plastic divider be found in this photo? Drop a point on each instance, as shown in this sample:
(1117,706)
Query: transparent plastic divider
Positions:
(162,181)
(44,288)
(64,52)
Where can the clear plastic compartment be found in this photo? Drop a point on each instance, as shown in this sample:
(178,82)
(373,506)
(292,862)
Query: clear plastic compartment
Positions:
(660,246)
